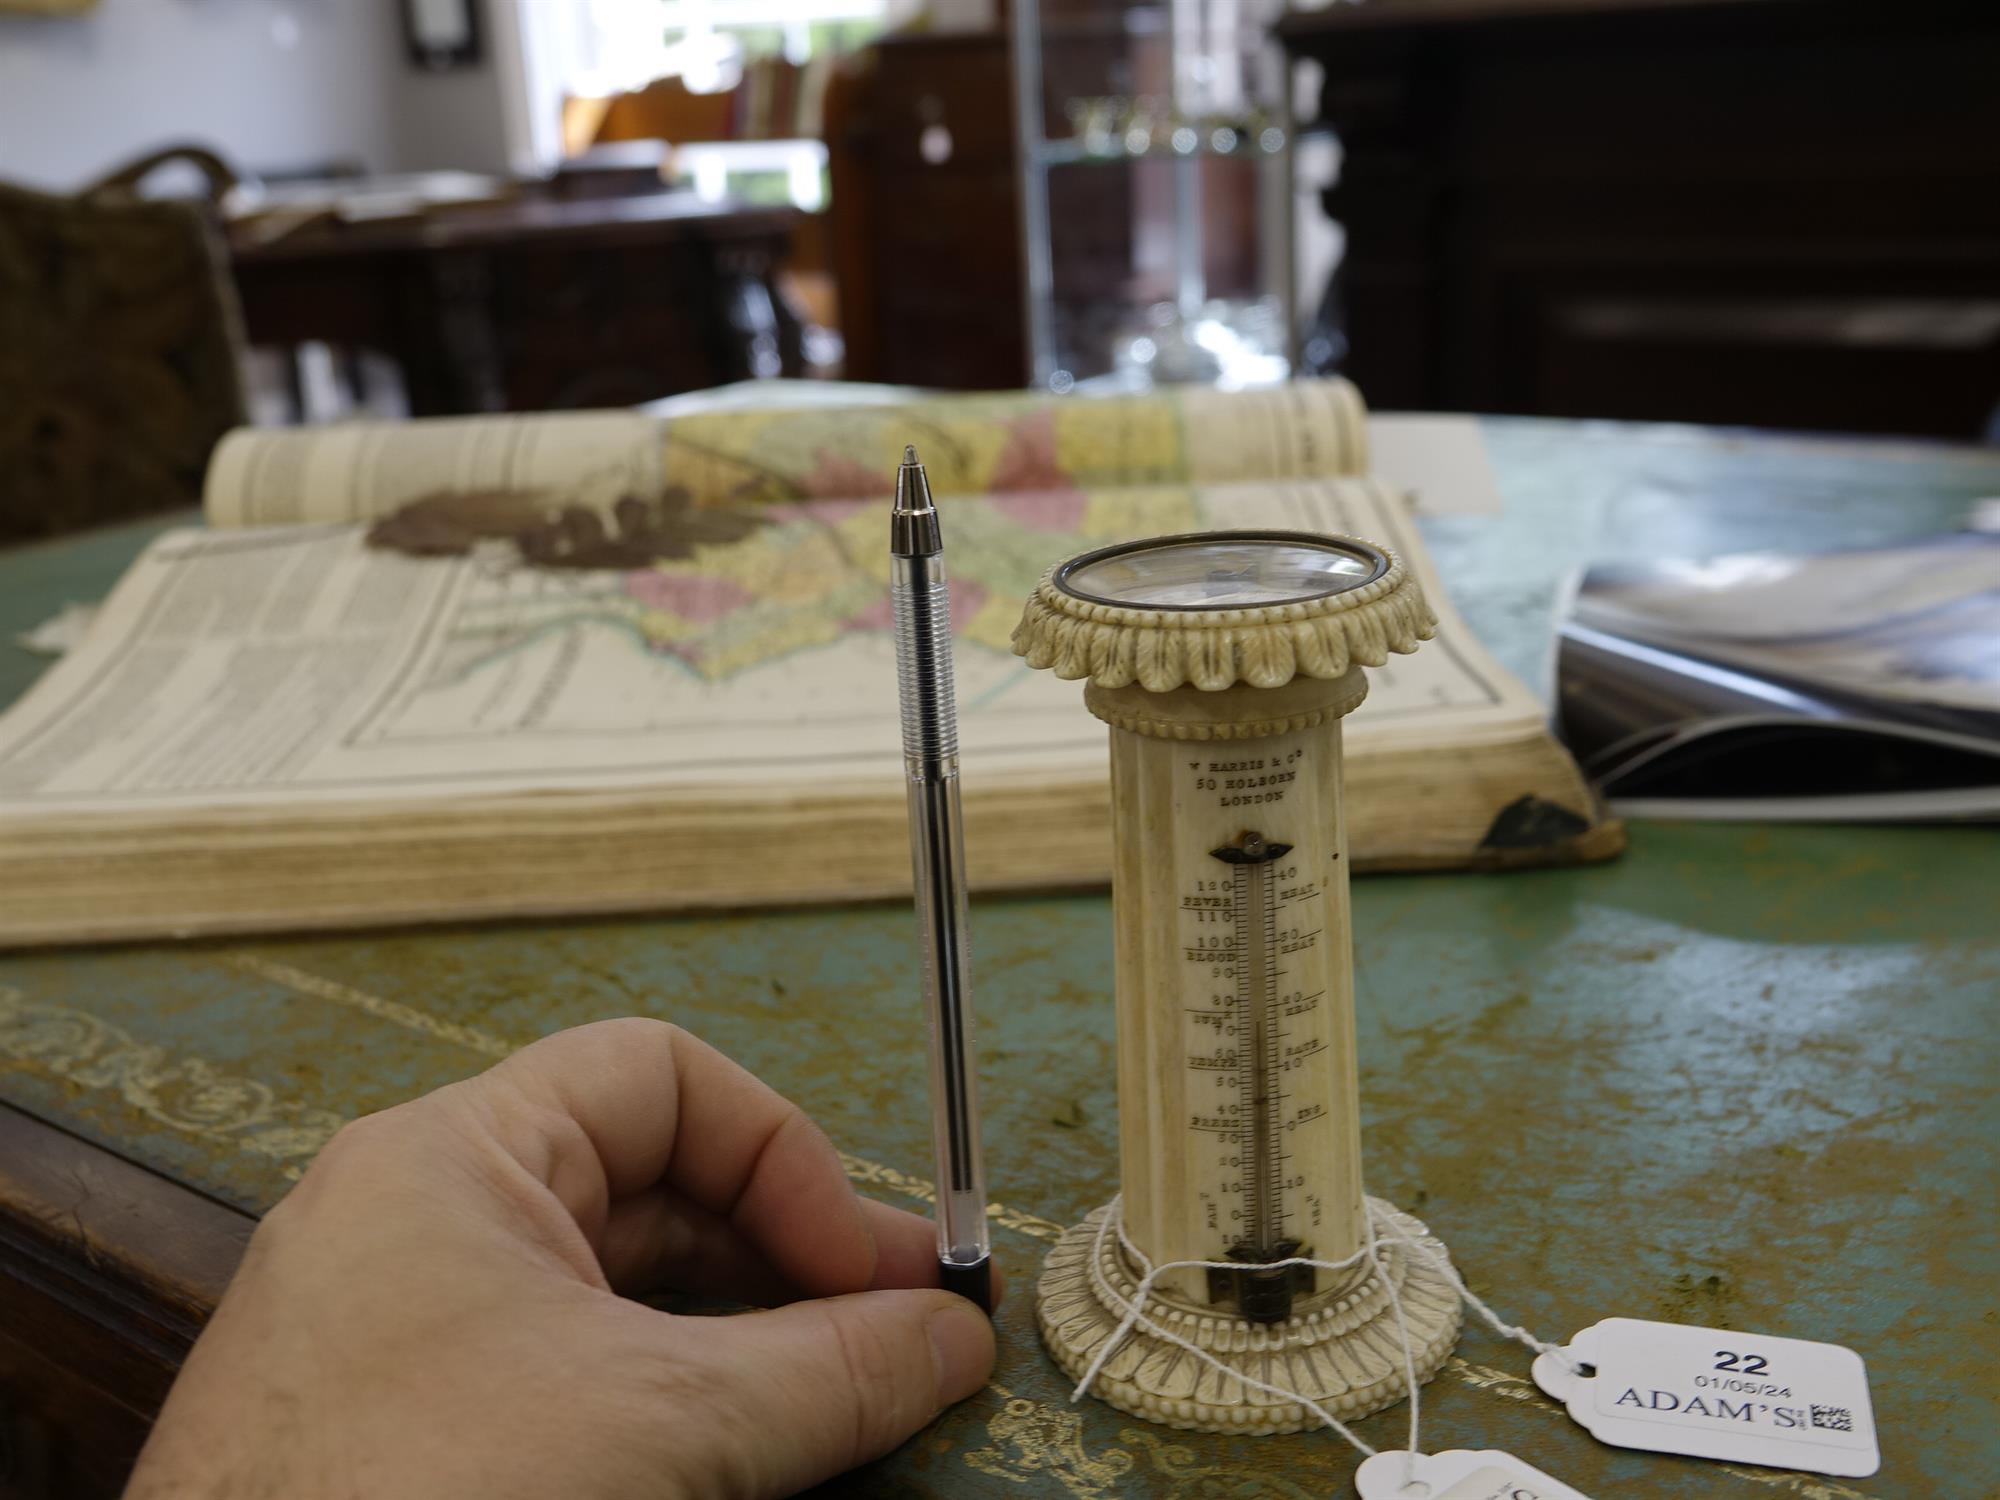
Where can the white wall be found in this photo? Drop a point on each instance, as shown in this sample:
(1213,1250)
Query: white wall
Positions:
(452,119)
(549,46)
(273,84)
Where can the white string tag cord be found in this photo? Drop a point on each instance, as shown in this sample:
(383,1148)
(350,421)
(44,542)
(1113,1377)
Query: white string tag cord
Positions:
(1134,1316)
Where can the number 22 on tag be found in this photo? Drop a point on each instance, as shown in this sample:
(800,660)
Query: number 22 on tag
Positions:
(1711,1393)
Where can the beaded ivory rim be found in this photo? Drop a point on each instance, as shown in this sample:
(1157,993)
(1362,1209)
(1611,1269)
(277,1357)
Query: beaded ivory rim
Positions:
(1115,645)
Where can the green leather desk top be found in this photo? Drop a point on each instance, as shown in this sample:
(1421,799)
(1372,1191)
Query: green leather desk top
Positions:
(1744,1076)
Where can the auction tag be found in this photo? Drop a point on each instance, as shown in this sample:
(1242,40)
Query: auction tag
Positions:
(1783,1403)
(1458,1474)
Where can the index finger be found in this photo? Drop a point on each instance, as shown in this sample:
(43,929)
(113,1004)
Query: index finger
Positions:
(620,1107)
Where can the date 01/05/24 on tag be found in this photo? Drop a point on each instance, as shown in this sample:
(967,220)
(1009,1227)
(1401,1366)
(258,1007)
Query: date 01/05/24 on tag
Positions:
(1711,1393)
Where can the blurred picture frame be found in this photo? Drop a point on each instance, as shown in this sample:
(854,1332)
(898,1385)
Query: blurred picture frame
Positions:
(442,34)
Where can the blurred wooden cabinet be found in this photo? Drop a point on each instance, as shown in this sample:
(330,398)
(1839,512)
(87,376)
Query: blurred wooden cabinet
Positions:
(538,302)
(1733,211)
(926,209)
(926,214)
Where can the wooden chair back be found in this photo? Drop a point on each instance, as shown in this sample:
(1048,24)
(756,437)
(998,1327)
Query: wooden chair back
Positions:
(120,344)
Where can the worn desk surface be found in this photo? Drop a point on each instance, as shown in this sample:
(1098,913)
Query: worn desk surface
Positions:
(1742,1076)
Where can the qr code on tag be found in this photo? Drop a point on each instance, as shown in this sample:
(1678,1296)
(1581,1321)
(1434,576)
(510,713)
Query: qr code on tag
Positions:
(1833,1418)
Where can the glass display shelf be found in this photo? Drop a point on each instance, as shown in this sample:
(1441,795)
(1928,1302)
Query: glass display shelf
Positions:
(1155,158)
(1247,139)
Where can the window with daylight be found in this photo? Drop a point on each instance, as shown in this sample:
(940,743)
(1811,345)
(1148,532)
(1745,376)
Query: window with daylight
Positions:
(735,86)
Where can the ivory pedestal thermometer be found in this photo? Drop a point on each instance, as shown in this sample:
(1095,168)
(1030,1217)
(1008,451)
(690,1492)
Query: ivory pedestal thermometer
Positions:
(1223,663)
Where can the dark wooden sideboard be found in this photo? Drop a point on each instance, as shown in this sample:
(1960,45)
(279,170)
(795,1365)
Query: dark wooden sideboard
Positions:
(1781,212)
(538,302)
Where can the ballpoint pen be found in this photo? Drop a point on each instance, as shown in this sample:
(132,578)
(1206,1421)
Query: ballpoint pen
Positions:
(922,604)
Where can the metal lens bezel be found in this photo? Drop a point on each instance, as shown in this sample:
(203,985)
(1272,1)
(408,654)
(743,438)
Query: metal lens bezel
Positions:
(1348,546)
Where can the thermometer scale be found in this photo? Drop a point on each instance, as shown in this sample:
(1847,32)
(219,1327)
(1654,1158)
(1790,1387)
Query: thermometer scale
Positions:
(1223,663)
(1262,1031)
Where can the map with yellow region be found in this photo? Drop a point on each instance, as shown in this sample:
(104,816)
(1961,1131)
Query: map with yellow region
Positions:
(776,649)
(290,664)
(1019,443)
(817,574)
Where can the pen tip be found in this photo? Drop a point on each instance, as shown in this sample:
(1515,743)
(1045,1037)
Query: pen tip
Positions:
(913,499)
(909,453)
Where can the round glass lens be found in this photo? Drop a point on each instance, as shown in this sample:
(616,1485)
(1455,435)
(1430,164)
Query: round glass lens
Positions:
(1220,573)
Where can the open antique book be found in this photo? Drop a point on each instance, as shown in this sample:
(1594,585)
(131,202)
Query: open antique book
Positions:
(608,661)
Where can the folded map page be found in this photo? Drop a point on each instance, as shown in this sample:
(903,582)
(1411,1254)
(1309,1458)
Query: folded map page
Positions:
(353,471)
(295,664)
(971,444)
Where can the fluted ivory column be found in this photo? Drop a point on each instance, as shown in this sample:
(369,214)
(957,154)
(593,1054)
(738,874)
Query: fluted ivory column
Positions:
(1223,665)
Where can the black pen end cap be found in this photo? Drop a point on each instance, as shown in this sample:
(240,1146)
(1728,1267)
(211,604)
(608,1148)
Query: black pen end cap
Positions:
(972,1280)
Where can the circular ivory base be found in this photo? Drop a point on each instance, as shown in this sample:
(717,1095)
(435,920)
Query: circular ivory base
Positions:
(1343,1352)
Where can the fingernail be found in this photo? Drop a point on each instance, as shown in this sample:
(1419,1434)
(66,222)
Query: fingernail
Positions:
(961,1347)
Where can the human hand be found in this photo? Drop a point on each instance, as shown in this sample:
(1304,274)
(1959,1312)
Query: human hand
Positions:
(435,1309)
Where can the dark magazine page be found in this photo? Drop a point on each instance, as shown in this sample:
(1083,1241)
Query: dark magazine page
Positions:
(1847,685)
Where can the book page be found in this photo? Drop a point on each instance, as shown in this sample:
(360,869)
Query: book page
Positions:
(971,444)
(1436,458)
(293,665)
(355,471)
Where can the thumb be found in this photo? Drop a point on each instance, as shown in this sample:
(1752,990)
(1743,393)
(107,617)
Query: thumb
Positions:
(838,1381)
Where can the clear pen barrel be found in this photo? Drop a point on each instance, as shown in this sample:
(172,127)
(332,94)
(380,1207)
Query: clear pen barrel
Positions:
(922,605)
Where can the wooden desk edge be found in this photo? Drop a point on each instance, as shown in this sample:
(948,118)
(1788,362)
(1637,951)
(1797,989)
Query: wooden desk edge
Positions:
(107,1272)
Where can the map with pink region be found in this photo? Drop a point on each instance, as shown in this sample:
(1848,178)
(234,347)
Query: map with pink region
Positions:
(698,597)
(817,573)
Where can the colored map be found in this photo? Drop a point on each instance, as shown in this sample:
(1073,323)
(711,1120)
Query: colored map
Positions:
(1019,443)
(816,575)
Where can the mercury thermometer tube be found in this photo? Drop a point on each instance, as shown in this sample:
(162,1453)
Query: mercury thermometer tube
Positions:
(921,601)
